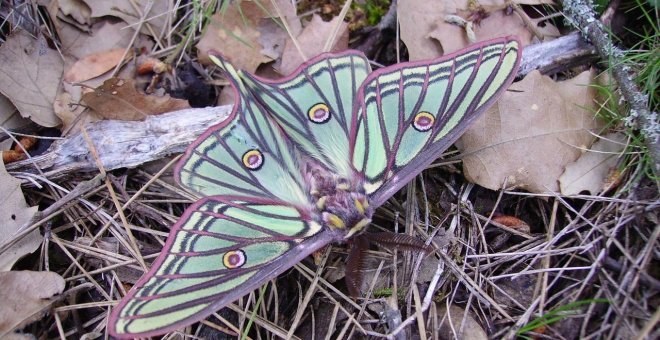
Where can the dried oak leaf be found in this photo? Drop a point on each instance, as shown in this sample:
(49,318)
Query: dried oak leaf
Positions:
(104,40)
(102,36)
(76,9)
(30,75)
(10,118)
(513,222)
(427,35)
(70,112)
(273,36)
(590,171)
(118,99)
(312,40)
(251,36)
(25,296)
(235,39)
(529,136)
(94,65)
(15,214)
(495,25)
(132,12)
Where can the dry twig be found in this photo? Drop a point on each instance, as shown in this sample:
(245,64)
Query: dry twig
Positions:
(583,17)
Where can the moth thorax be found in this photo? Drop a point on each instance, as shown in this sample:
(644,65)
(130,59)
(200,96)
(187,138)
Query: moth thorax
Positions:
(341,203)
(345,210)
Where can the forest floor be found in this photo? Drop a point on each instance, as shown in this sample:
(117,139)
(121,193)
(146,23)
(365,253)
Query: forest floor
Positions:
(543,217)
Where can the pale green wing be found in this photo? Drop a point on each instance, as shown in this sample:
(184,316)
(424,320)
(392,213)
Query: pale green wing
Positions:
(408,114)
(221,249)
(246,155)
(314,105)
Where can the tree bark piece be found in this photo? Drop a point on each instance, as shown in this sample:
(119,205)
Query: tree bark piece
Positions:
(124,144)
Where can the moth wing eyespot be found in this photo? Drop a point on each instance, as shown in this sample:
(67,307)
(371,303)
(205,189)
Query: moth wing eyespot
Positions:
(423,121)
(319,113)
(253,159)
(234,259)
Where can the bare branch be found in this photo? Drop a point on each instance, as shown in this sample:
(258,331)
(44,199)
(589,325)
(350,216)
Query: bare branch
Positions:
(580,13)
(124,144)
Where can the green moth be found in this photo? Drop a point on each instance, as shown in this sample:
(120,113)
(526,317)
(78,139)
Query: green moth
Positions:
(300,163)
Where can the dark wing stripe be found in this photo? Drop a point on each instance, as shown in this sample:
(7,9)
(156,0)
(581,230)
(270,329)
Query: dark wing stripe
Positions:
(306,123)
(266,137)
(229,186)
(285,124)
(290,107)
(184,285)
(220,277)
(334,106)
(225,168)
(458,101)
(267,90)
(381,122)
(405,124)
(188,303)
(142,303)
(274,148)
(213,165)
(341,116)
(476,100)
(327,79)
(366,126)
(225,183)
(473,79)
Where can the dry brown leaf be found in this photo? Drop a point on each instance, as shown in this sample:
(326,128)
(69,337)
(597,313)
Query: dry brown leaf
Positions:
(516,291)
(52,8)
(94,65)
(312,40)
(590,171)
(25,296)
(11,156)
(418,18)
(118,99)
(156,18)
(31,74)
(471,328)
(427,35)
(250,37)
(10,118)
(235,34)
(497,24)
(547,29)
(76,9)
(77,44)
(15,214)
(70,113)
(530,135)
(103,36)
(513,222)
(273,37)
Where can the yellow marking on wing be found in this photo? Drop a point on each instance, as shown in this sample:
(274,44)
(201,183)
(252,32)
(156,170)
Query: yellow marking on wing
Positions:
(335,221)
(357,227)
(320,204)
(359,205)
